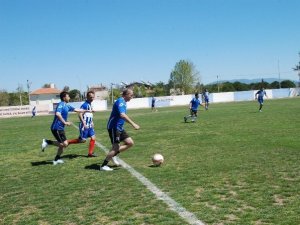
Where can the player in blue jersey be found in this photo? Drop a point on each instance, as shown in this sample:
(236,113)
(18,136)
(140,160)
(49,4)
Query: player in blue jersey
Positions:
(260,97)
(205,95)
(86,125)
(58,125)
(194,104)
(116,130)
(153,108)
(33,112)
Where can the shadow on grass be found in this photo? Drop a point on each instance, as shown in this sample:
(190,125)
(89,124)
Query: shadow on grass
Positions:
(97,167)
(46,162)
(41,163)
(154,166)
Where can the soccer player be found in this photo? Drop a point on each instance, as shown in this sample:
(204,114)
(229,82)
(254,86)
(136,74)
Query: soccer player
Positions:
(260,98)
(153,100)
(194,104)
(116,130)
(58,126)
(206,98)
(86,125)
(33,112)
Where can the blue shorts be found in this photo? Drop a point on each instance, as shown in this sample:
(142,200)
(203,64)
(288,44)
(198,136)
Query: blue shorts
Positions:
(261,101)
(86,133)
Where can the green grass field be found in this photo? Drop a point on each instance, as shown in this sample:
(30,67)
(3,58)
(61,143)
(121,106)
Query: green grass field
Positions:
(233,166)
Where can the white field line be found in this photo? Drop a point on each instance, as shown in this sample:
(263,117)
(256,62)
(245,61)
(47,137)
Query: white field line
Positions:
(174,206)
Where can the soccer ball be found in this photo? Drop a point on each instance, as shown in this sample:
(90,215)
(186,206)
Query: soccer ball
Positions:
(157,159)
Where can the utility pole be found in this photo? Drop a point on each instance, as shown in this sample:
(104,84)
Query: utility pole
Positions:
(112,93)
(279,74)
(28,91)
(218,83)
(297,68)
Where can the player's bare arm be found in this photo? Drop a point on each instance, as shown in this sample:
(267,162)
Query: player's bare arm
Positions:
(127,119)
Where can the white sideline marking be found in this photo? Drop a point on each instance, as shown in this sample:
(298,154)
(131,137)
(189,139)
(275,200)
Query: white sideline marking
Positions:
(176,207)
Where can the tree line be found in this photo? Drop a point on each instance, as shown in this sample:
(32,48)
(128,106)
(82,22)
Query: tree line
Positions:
(184,79)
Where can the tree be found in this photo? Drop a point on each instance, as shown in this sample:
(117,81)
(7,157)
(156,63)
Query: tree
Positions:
(161,89)
(227,87)
(66,88)
(46,85)
(74,95)
(238,86)
(287,84)
(274,85)
(184,76)
(4,98)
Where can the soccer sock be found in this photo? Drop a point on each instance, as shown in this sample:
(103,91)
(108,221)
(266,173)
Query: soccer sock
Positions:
(91,146)
(117,153)
(49,142)
(105,162)
(57,157)
(73,141)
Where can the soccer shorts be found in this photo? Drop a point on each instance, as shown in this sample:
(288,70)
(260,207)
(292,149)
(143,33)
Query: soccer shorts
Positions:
(193,112)
(59,135)
(86,133)
(117,136)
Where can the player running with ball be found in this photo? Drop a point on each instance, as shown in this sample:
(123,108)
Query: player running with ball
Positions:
(116,131)
(194,104)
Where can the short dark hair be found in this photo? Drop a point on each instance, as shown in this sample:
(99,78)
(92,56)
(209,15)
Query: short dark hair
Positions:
(126,91)
(90,92)
(63,94)
(196,94)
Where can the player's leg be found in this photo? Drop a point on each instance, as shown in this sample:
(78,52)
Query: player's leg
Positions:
(188,116)
(115,141)
(92,146)
(46,142)
(63,143)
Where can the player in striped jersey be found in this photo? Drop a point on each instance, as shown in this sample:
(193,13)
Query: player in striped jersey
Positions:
(86,125)
(260,97)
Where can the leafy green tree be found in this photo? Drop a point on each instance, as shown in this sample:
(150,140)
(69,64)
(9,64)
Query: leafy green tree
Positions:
(287,84)
(274,85)
(160,89)
(46,86)
(75,95)
(184,76)
(66,88)
(227,87)
(238,86)
(4,98)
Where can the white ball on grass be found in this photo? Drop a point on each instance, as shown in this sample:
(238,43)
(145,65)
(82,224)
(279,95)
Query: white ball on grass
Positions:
(157,159)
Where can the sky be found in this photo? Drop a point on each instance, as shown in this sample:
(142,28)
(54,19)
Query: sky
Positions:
(79,43)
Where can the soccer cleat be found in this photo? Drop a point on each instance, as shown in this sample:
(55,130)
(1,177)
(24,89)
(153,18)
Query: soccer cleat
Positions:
(44,144)
(106,168)
(260,111)
(115,160)
(59,161)
(92,155)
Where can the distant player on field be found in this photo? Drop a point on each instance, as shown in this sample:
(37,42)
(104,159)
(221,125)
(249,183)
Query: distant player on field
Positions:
(153,108)
(33,112)
(260,98)
(205,95)
(194,104)
(58,126)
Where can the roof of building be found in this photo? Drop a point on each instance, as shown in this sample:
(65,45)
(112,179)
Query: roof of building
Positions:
(45,91)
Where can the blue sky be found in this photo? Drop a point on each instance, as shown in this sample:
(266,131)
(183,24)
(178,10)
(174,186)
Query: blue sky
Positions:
(77,43)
